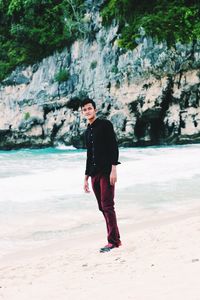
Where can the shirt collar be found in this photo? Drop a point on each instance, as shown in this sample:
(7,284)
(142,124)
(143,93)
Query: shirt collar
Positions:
(94,123)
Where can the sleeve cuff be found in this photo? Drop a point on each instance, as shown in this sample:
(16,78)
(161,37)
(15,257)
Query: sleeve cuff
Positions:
(115,163)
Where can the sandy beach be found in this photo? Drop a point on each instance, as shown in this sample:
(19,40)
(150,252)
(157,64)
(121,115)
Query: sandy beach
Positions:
(159,259)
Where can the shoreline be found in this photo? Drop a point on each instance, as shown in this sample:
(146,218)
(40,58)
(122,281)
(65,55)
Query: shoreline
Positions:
(122,146)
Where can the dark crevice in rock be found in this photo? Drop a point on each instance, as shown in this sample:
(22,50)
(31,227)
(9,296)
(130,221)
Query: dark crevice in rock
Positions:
(179,80)
(4,134)
(133,107)
(55,130)
(167,97)
(52,107)
(74,103)
(150,128)
(109,107)
(146,86)
(43,134)
(108,86)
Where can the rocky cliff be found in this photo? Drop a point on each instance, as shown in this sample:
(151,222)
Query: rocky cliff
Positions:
(151,94)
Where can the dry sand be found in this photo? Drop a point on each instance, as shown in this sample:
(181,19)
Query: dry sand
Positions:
(159,260)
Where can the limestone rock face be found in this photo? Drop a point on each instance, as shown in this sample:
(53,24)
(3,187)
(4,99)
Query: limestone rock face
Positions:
(151,94)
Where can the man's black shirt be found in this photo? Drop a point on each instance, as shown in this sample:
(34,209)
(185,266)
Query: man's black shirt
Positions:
(102,148)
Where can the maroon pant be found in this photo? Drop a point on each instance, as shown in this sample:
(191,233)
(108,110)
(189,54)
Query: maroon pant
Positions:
(104,193)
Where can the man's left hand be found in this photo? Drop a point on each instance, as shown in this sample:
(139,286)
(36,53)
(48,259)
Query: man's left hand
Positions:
(113,175)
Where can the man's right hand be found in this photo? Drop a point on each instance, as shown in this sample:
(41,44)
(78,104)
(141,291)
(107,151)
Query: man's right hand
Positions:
(86,185)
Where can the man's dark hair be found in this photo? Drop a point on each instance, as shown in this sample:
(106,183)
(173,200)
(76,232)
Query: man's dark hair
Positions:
(87,101)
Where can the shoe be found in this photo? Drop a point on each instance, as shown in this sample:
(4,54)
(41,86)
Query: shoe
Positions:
(109,247)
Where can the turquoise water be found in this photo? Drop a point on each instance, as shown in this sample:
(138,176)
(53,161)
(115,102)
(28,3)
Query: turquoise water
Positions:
(42,198)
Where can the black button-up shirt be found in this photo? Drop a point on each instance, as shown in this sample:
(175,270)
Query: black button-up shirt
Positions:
(102,148)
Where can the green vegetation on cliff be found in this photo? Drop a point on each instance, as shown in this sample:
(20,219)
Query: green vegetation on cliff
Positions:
(33,29)
(165,20)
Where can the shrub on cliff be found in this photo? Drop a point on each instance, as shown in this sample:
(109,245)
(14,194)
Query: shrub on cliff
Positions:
(62,76)
(165,20)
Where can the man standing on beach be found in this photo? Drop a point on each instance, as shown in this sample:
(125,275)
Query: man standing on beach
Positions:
(102,159)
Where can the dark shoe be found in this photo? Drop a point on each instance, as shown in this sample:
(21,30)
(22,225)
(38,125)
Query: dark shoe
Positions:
(109,247)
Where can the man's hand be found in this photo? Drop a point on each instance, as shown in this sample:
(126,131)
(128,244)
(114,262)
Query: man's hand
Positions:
(86,185)
(113,175)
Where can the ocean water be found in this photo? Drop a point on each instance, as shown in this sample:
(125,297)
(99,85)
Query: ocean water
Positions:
(42,198)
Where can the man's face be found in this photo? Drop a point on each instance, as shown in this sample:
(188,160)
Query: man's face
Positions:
(89,112)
